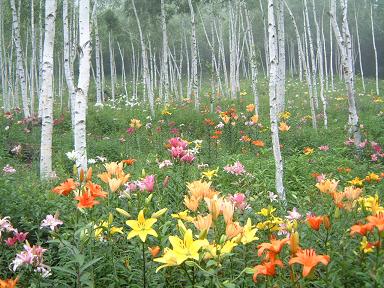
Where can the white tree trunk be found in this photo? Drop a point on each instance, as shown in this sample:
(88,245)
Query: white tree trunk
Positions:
(146,76)
(305,65)
(252,55)
(359,50)
(195,85)
(20,61)
(282,65)
(266,42)
(312,54)
(273,109)
(111,68)
(67,62)
(375,50)
(80,135)
(321,66)
(99,98)
(345,48)
(33,60)
(46,92)
(164,66)
(3,64)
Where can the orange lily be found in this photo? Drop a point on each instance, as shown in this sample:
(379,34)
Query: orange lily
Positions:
(275,246)
(86,200)
(66,187)
(315,221)
(377,221)
(361,229)
(96,190)
(154,251)
(309,259)
(129,162)
(9,283)
(267,268)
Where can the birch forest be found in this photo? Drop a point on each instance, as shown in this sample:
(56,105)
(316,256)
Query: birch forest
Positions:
(192,143)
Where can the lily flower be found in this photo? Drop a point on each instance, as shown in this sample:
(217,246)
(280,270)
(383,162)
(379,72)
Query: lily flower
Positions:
(309,259)
(141,227)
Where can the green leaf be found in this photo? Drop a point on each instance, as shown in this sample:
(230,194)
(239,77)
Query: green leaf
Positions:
(89,264)
(65,270)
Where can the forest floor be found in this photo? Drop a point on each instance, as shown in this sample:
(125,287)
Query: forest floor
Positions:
(86,252)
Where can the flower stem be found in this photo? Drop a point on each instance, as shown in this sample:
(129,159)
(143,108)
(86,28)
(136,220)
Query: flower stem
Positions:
(144,278)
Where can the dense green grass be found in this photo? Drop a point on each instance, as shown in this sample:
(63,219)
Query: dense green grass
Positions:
(27,200)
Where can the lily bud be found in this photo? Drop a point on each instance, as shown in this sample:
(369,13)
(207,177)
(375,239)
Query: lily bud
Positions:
(203,234)
(81,175)
(123,212)
(148,199)
(181,227)
(159,213)
(89,174)
(326,222)
(166,182)
(74,170)
(294,241)
(110,218)
(337,213)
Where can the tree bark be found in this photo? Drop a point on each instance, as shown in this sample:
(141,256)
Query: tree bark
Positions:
(20,60)
(273,109)
(46,92)
(345,48)
(80,135)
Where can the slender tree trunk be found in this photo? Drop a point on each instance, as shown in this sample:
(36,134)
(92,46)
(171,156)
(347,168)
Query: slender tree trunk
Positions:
(252,55)
(375,50)
(20,60)
(273,109)
(112,74)
(312,54)
(33,60)
(321,66)
(80,135)
(67,62)
(99,98)
(164,66)
(46,92)
(305,64)
(345,48)
(359,50)
(195,85)
(146,76)
(265,30)
(282,65)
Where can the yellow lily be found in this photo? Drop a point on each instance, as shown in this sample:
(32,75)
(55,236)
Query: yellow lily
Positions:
(249,232)
(209,174)
(183,249)
(141,227)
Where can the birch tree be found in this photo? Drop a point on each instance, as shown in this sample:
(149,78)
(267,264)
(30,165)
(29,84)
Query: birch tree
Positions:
(273,109)
(321,66)
(20,59)
(306,68)
(46,92)
(281,63)
(252,56)
(164,66)
(97,56)
(345,48)
(80,135)
(67,62)
(144,55)
(375,50)
(194,80)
